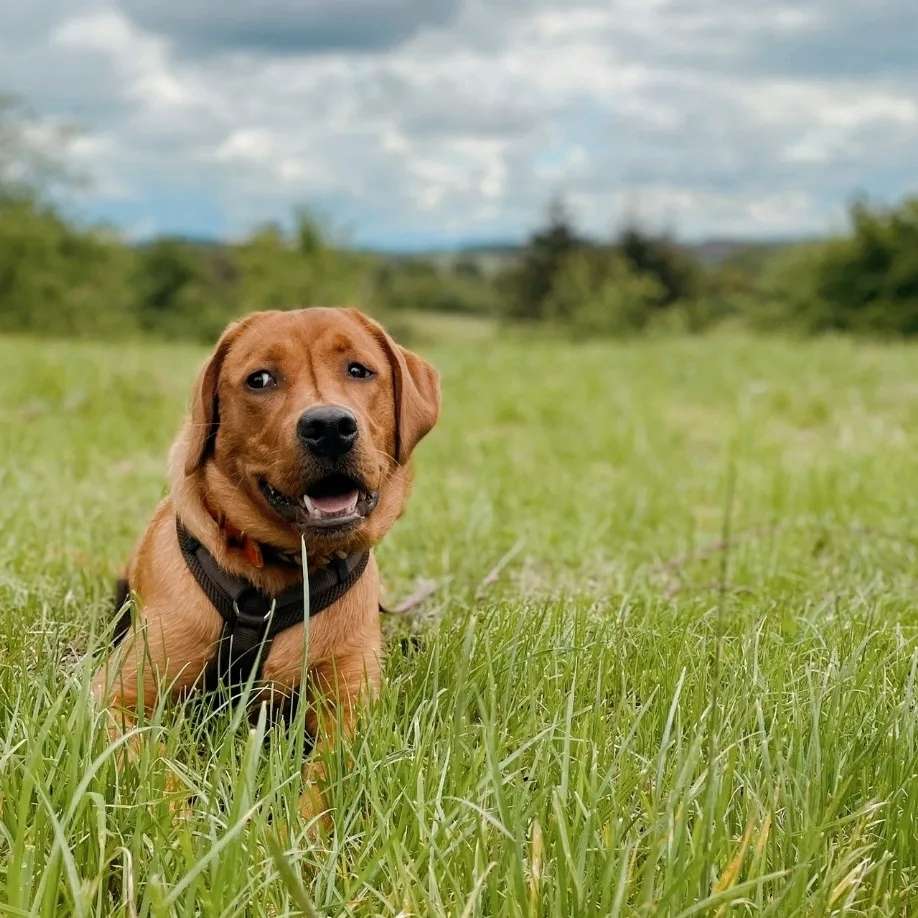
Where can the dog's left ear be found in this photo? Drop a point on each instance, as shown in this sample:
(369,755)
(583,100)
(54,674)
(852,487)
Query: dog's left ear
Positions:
(417,390)
(205,409)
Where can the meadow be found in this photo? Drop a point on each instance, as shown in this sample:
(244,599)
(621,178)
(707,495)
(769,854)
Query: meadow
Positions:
(668,666)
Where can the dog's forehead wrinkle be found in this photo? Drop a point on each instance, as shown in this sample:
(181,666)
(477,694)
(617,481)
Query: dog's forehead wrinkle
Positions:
(324,338)
(257,350)
(308,334)
(309,367)
(360,339)
(276,353)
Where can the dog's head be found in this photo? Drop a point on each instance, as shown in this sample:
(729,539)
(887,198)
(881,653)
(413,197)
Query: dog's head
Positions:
(302,423)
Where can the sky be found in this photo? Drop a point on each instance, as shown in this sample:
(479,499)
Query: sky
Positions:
(411,124)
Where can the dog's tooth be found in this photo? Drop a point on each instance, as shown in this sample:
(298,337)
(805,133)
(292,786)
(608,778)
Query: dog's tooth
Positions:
(311,510)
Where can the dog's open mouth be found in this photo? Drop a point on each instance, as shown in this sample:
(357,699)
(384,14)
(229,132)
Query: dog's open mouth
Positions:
(331,502)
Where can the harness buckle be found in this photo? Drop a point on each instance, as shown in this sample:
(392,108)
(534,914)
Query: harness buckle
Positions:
(254,620)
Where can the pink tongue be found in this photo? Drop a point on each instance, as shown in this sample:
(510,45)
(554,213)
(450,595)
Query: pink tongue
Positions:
(336,503)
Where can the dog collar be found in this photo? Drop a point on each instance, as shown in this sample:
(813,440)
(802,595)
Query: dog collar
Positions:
(252,619)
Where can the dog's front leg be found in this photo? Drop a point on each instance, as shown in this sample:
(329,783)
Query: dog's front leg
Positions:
(338,687)
(166,654)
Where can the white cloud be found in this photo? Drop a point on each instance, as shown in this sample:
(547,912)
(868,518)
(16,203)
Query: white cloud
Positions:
(466,117)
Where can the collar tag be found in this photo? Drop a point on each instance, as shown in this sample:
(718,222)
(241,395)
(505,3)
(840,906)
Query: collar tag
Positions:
(236,539)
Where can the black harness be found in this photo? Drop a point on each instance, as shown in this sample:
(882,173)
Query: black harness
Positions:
(251,619)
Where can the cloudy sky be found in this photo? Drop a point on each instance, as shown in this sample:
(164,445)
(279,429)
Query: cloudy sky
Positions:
(415,123)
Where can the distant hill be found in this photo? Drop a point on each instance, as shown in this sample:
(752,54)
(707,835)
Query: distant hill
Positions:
(491,256)
(715,252)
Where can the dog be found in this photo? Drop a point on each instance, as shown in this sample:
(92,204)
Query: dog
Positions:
(300,432)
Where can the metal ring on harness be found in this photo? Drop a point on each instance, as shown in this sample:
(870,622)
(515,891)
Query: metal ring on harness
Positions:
(257,619)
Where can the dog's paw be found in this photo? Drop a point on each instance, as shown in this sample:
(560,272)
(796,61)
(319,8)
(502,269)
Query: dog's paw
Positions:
(312,806)
(314,812)
(179,797)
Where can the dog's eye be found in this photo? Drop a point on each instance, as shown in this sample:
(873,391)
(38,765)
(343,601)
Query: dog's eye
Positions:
(359,371)
(261,379)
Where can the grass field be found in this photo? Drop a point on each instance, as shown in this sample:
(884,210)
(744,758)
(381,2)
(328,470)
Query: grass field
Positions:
(669,668)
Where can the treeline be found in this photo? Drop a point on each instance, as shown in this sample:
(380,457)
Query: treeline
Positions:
(621,286)
(865,281)
(60,278)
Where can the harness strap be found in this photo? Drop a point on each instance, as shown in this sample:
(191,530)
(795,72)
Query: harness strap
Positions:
(252,619)
(125,616)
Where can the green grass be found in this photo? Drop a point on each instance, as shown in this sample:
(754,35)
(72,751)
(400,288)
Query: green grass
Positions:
(636,715)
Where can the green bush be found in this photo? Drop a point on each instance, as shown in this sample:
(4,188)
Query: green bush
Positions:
(677,274)
(422,285)
(276,271)
(601,288)
(528,285)
(864,283)
(596,292)
(58,280)
(184,291)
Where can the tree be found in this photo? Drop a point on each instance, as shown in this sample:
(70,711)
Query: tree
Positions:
(530,282)
(865,282)
(181,289)
(659,257)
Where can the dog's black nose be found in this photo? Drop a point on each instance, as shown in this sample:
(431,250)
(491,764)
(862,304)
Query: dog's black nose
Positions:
(328,431)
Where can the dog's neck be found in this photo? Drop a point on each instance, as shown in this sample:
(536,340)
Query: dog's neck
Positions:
(257,554)
(268,567)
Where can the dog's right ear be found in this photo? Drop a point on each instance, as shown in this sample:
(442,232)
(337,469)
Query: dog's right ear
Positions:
(205,408)
(416,390)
